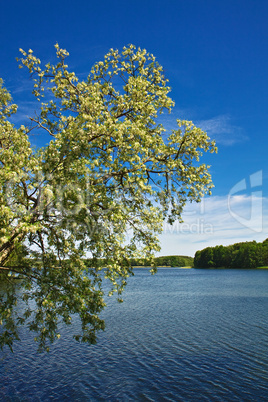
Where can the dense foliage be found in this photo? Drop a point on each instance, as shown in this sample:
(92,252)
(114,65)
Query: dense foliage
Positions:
(164,261)
(102,186)
(239,255)
(167,261)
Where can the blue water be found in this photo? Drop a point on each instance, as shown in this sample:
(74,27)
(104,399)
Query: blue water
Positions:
(181,335)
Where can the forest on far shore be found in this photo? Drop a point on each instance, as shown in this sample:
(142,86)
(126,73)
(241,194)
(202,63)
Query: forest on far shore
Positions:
(238,255)
(164,261)
(167,261)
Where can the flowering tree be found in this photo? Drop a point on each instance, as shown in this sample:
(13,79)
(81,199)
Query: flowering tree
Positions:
(101,187)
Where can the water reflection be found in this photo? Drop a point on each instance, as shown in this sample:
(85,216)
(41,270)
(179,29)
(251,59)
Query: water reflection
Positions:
(180,335)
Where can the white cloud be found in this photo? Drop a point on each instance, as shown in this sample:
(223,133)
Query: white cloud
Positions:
(221,129)
(25,110)
(217,220)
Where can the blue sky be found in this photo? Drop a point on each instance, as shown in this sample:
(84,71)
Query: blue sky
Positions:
(215,54)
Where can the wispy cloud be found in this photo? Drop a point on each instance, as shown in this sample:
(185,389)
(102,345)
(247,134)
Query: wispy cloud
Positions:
(221,129)
(217,220)
(21,86)
(25,110)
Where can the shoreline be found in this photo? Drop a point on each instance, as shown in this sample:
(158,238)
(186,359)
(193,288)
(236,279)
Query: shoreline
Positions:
(188,267)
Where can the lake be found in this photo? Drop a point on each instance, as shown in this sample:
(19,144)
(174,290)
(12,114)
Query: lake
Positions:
(180,335)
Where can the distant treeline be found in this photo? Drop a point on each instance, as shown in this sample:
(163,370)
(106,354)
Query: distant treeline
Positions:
(239,255)
(166,261)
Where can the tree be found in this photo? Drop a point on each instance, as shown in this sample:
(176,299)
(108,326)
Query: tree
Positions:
(102,187)
(238,255)
(264,253)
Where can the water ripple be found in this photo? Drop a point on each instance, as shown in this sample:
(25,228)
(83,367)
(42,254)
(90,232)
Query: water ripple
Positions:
(182,335)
